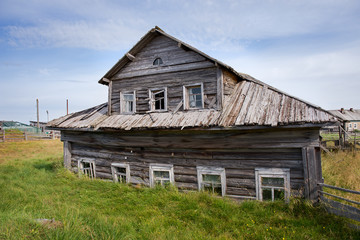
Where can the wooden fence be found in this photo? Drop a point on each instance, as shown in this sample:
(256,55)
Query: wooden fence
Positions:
(9,136)
(340,208)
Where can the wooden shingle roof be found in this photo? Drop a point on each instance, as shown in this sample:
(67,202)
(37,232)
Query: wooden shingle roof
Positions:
(251,104)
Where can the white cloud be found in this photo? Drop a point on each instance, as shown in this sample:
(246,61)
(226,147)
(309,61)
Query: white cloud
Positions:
(93,35)
(210,24)
(329,79)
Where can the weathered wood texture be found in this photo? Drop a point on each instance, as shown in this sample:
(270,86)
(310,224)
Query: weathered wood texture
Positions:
(174,59)
(286,138)
(179,68)
(229,82)
(312,171)
(250,104)
(173,83)
(67,154)
(238,153)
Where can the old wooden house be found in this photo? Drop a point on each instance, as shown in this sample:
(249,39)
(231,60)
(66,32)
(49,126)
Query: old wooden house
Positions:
(176,115)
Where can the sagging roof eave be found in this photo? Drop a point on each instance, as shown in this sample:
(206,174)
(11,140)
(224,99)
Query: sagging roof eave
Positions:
(210,128)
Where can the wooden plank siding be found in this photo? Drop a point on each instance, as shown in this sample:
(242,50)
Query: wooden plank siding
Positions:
(173,83)
(179,68)
(237,152)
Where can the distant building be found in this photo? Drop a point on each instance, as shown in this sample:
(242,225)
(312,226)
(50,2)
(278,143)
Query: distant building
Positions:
(18,125)
(42,125)
(350,118)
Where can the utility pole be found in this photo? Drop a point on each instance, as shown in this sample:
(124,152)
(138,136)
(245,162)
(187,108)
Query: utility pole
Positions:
(47,112)
(37,111)
(67,106)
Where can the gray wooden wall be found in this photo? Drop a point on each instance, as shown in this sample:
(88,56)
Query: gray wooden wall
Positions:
(180,68)
(239,152)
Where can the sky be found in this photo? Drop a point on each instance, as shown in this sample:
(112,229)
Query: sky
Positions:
(57,50)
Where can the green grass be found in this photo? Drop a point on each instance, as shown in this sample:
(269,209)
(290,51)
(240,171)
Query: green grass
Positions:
(342,169)
(34,185)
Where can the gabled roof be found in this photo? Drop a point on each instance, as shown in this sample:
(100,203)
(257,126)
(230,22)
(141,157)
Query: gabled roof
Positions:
(347,115)
(154,32)
(252,103)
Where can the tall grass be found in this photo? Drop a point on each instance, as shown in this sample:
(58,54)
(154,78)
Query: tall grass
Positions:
(34,185)
(342,169)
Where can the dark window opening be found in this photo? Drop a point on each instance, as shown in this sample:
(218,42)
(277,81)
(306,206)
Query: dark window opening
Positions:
(158,62)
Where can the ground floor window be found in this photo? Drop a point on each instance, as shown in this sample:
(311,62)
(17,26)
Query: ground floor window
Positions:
(272,184)
(211,179)
(161,174)
(87,167)
(120,172)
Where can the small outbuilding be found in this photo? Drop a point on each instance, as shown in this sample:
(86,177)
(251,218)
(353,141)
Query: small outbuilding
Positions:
(178,116)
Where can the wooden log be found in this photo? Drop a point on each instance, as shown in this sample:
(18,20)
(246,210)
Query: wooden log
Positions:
(67,155)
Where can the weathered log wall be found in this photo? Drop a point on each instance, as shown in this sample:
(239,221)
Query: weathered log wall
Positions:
(239,152)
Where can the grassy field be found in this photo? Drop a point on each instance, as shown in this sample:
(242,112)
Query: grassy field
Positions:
(342,169)
(34,185)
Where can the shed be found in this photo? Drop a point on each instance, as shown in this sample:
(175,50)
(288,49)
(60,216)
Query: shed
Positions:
(178,116)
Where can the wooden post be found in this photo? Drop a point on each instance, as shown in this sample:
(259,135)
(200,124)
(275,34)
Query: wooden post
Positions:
(37,113)
(25,135)
(355,141)
(67,106)
(340,137)
(219,93)
(67,155)
(109,98)
(306,177)
(4,135)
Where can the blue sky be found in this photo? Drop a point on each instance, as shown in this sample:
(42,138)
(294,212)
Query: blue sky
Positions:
(58,50)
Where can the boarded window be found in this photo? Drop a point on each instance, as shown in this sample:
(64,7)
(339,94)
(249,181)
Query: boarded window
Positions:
(272,184)
(120,172)
(212,179)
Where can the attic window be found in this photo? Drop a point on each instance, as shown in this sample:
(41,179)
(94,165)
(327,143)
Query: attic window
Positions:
(158,99)
(193,96)
(157,62)
(127,102)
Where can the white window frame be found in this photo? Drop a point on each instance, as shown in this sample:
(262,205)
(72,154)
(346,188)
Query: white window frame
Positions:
(186,95)
(122,102)
(350,125)
(355,126)
(272,173)
(114,172)
(92,173)
(211,171)
(161,167)
(152,100)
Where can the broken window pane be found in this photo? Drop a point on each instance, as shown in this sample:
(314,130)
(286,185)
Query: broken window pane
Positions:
(195,97)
